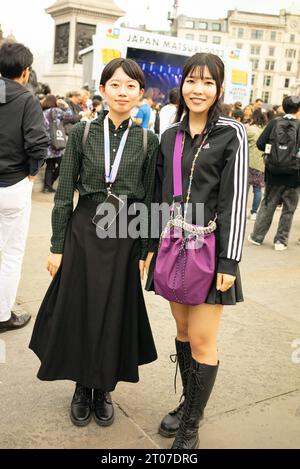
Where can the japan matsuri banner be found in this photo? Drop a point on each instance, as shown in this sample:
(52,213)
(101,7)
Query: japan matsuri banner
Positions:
(238,71)
(168,56)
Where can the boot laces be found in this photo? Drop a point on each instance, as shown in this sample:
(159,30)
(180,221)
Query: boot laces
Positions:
(186,430)
(183,435)
(174,359)
(198,378)
(102,396)
(82,391)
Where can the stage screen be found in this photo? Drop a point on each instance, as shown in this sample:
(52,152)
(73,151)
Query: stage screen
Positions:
(162,71)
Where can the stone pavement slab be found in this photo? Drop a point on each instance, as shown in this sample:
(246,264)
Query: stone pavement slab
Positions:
(256,399)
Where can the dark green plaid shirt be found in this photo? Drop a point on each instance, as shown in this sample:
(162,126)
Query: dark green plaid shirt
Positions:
(83,169)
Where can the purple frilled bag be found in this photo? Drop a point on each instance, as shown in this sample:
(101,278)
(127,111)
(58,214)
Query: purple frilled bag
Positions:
(185,263)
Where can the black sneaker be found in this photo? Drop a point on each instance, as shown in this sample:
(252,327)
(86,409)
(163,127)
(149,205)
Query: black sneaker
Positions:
(81,406)
(103,408)
(15,322)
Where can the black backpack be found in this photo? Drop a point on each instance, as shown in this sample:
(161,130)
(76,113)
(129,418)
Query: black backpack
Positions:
(58,138)
(285,141)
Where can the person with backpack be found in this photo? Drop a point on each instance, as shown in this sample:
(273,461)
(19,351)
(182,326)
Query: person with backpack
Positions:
(280,142)
(23,147)
(93,327)
(54,113)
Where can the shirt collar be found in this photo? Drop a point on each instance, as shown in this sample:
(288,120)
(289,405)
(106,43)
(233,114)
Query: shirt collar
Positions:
(112,127)
(184,124)
(185,127)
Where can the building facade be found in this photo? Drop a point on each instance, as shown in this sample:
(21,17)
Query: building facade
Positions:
(272,42)
(75,25)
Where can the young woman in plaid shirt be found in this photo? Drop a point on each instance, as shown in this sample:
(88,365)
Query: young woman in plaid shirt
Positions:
(92,327)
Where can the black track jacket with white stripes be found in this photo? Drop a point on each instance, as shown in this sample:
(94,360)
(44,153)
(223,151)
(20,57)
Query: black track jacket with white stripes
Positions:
(220,182)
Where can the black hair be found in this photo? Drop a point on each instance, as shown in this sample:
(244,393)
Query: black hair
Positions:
(70,94)
(271,114)
(216,68)
(291,104)
(259,118)
(49,102)
(98,97)
(14,59)
(174,96)
(130,67)
(238,113)
(96,102)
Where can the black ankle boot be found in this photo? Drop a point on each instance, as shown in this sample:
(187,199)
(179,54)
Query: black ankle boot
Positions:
(200,384)
(103,408)
(81,406)
(170,423)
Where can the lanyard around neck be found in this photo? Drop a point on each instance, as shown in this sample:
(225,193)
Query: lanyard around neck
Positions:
(111,173)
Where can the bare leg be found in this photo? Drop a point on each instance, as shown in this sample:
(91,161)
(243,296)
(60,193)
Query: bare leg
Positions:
(203,327)
(180,313)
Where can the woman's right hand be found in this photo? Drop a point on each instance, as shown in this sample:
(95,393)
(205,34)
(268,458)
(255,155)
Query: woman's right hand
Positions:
(148,261)
(54,261)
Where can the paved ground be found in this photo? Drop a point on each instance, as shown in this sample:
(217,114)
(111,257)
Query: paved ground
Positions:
(256,400)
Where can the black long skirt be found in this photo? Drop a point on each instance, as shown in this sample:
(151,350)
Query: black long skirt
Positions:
(230,297)
(92,326)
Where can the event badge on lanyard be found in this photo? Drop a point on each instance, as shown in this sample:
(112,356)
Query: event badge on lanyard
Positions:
(108,211)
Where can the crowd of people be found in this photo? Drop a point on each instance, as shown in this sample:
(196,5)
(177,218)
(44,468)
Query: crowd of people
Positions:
(82,106)
(279,182)
(92,326)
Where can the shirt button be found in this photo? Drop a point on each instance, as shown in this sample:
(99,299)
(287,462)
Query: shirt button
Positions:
(115,135)
(121,126)
(114,150)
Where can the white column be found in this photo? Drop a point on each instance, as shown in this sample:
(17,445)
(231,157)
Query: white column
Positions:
(72,40)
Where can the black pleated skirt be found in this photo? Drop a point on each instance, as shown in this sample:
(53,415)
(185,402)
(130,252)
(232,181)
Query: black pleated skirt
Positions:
(92,326)
(230,297)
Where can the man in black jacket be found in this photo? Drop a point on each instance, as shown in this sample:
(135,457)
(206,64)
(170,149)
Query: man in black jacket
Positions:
(23,146)
(281,186)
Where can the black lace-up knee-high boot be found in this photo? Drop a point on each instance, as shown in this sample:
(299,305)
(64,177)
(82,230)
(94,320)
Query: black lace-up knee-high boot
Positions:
(170,423)
(199,387)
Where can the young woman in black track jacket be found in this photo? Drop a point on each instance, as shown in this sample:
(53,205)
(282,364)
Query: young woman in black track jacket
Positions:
(220,183)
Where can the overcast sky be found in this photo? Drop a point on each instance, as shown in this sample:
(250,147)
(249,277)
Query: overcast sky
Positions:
(30,24)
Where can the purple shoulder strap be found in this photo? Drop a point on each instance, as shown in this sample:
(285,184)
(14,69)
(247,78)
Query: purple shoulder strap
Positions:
(177,173)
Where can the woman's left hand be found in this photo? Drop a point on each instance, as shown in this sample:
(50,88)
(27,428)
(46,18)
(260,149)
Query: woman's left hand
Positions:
(144,265)
(225,281)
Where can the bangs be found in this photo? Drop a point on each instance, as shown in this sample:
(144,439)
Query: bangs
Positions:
(132,69)
(198,70)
